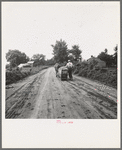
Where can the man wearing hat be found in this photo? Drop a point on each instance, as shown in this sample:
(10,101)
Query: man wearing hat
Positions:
(69,65)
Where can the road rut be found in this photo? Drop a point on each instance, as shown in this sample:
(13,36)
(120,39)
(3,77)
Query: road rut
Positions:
(45,96)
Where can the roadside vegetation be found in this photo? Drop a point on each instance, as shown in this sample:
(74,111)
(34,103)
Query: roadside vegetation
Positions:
(15,58)
(16,75)
(105,74)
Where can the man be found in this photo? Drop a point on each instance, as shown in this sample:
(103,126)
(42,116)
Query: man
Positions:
(57,66)
(69,65)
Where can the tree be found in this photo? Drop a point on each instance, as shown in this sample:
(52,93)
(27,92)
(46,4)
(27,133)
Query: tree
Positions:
(106,51)
(39,59)
(50,62)
(107,58)
(15,57)
(75,51)
(60,51)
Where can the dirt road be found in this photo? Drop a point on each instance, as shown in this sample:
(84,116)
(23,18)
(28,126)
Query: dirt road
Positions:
(44,96)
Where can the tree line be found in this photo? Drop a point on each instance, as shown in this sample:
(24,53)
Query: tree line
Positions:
(61,54)
(16,57)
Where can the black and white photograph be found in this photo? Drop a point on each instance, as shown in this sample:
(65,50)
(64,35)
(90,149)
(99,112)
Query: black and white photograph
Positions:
(61,63)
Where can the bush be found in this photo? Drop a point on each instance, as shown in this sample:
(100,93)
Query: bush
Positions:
(15,75)
(102,70)
(107,76)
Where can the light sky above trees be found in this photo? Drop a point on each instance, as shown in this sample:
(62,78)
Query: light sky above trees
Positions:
(32,27)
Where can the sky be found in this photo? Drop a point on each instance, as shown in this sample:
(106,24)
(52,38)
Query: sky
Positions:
(32,27)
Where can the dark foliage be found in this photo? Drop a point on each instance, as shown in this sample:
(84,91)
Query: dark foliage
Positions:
(111,60)
(75,52)
(107,76)
(39,59)
(15,57)
(107,58)
(60,51)
(15,75)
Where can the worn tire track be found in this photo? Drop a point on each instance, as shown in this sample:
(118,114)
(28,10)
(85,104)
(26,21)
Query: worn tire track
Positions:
(45,96)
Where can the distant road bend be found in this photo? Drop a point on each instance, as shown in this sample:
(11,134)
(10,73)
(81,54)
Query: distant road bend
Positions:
(45,96)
